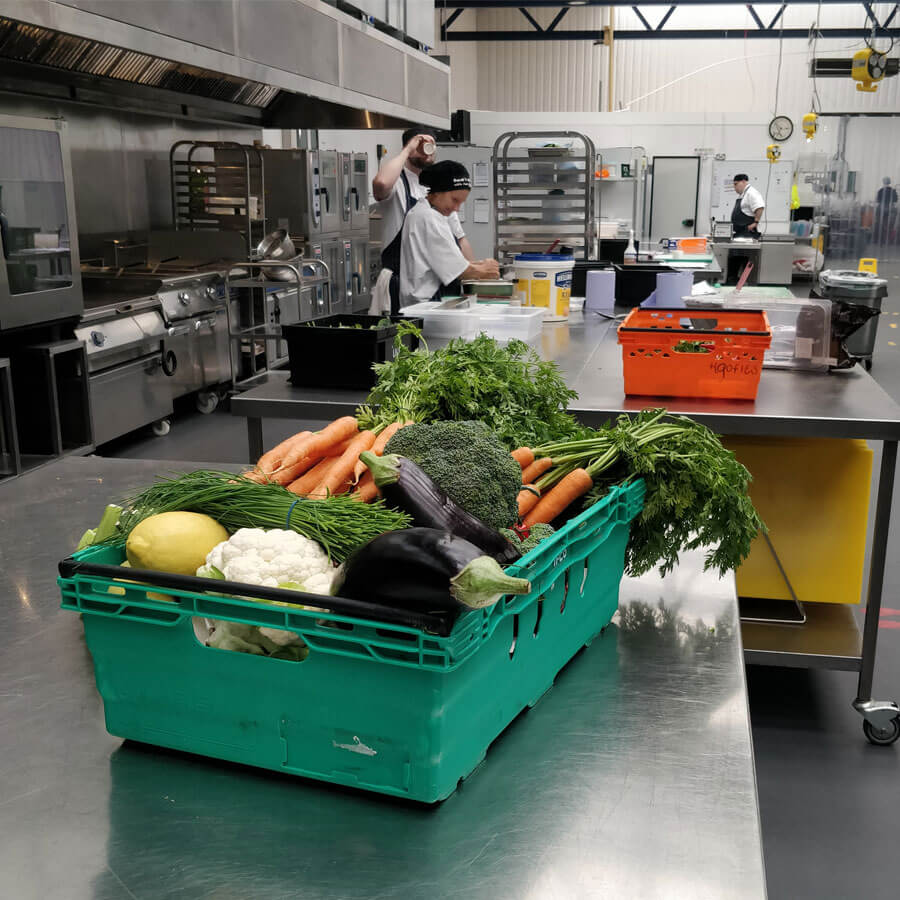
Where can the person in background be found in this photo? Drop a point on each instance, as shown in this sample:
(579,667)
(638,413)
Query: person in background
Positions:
(748,208)
(431,262)
(397,189)
(885,211)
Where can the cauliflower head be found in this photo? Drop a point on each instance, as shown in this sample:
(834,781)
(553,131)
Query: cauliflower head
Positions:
(271,558)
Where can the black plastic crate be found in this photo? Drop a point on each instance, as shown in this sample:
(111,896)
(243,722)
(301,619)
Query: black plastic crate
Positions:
(635,282)
(323,354)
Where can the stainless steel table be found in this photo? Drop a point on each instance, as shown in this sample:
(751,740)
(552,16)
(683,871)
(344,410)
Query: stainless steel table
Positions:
(841,405)
(633,777)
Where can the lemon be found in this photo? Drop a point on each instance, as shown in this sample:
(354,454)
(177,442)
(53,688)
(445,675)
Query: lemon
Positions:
(176,542)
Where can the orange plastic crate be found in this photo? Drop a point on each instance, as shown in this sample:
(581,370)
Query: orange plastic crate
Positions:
(734,341)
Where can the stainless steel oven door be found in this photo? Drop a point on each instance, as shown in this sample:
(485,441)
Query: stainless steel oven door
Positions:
(129,396)
(201,348)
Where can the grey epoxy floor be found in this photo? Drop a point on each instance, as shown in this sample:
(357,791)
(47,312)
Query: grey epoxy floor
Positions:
(829,801)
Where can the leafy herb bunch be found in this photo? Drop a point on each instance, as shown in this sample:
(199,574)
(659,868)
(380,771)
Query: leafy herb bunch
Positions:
(521,397)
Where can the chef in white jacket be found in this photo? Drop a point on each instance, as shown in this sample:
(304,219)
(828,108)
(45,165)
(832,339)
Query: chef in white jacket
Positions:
(431,263)
(396,189)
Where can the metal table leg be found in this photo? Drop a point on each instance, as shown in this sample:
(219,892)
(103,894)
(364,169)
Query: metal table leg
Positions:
(881,718)
(255,438)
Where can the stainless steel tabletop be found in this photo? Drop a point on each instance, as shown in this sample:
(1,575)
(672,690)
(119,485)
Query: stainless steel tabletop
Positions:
(632,778)
(841,404)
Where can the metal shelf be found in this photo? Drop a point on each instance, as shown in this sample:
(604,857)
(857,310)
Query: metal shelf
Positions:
(829,639)
(566,170)
(218,186)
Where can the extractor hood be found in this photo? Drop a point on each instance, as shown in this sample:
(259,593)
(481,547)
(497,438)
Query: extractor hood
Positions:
(265,63)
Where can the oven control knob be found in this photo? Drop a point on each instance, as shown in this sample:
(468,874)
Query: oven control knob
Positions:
(211,291)
(184,298)
(98,338)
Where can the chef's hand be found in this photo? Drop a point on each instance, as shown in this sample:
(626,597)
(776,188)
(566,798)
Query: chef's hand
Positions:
(490,268)
(752,226)
(414,147)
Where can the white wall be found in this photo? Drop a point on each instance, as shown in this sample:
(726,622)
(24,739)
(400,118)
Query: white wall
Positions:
(739,136)
(659,75)
(464,71)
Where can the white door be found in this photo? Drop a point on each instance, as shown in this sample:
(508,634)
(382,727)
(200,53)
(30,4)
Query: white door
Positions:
(673,198)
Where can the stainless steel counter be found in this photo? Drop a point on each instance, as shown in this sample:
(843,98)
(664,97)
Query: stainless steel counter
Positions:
(843,404)
(633,777)
(846,404)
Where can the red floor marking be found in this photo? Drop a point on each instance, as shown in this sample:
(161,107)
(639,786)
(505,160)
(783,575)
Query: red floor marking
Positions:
(889,623)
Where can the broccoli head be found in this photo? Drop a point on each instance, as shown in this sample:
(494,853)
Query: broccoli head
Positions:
(536,534)
(468,462)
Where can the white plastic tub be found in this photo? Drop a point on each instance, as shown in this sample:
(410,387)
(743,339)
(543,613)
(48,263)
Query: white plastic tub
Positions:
(502,322)
(545,282)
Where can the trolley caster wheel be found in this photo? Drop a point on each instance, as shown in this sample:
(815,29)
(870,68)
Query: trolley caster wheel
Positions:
(162,427)
(206,402)
(868,364)
(882,737)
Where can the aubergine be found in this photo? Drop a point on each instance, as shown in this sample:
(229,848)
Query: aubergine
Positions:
(405,485)
(427,570)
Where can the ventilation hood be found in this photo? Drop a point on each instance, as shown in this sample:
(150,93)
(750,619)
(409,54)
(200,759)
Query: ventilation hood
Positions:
(262,63)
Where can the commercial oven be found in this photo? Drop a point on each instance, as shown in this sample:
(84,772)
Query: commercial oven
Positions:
(39,267)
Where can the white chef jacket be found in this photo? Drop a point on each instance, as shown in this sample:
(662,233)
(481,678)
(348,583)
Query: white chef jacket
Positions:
(429,256)
(393,208)
(751,200)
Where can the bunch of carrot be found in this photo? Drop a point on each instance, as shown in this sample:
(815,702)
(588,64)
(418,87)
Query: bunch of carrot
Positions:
(542,502)
(326,462)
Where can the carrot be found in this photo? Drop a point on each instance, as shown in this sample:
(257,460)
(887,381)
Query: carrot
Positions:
(286,476)
(320,444)
(536,469)
(270,461)
(528,499)
(343,468)
(378,447)
(523,456)
(307,482)
(366,491)
(573,486)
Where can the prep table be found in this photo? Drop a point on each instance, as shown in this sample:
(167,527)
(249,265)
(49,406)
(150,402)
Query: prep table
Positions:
(846,404)
(633,777)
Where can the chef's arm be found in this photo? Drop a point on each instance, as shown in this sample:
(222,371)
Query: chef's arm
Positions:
(466,248)
(386,177)
(482,268)
(757,215)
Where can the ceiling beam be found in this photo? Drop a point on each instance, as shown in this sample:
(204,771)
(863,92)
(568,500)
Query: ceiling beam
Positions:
(530,18)
(558,18)
(514,4)
(668,34)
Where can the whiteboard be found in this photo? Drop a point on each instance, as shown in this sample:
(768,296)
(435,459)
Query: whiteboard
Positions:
(776,190)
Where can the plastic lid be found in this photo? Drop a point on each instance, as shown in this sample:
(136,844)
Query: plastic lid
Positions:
(543,257)
(851,278)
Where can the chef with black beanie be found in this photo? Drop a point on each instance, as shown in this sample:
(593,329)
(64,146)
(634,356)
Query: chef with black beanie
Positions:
(431,263)
(396,189)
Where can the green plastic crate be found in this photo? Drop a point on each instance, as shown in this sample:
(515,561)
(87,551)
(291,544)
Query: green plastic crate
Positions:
(383,707)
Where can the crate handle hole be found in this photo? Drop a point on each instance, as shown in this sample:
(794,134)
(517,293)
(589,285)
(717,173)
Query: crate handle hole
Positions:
(562,605)
(515,637)
(540,612)
(203,628)
(584,578)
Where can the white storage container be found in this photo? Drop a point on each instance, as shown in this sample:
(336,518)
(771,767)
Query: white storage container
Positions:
(466,319)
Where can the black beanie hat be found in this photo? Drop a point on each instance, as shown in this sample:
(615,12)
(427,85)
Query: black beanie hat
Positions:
(447,175)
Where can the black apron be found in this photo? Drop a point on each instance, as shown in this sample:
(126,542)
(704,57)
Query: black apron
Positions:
(740,220)
(390,255)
